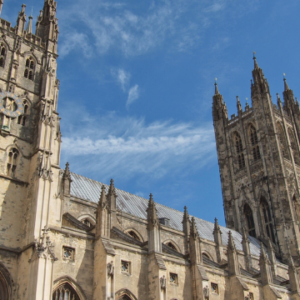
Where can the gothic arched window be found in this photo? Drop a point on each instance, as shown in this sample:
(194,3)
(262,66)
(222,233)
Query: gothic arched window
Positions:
(22,119)
(2,55)
(171,245)
(250,221)
(254,143)
(282,139)
(267,219)
(12,162)
(65,292)
(29,68)
(133,235)
(239,150)
(294,147)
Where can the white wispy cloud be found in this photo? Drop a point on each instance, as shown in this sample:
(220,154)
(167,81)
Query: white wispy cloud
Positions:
(120,27)
(124,145)
(133,94)
(76,41)
(122,77)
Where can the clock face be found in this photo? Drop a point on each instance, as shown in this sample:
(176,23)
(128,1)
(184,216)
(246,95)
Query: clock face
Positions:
(11,105)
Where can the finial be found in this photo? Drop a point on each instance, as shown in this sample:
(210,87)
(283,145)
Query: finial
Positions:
(23,8)
(286,87)
(151,197)
(255,62)
(186,211)
(216,87)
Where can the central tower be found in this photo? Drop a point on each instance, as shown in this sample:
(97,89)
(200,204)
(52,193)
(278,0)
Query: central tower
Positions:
(259,161)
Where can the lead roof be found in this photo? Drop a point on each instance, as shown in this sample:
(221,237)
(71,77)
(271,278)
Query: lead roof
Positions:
(88,189)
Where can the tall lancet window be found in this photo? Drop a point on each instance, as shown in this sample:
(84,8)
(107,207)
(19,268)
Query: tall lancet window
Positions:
(2,55)
(294,147)
(65,292)
(254,143)
(29,68)
(239,150)
(250,221)
(12,162)
(267,219)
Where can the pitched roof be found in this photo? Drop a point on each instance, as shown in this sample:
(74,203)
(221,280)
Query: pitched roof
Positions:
(88,189)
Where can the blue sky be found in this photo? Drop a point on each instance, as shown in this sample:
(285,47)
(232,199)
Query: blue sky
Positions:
(137,80)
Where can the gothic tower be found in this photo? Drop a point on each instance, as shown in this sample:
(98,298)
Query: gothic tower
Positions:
(259,161)
(30,142)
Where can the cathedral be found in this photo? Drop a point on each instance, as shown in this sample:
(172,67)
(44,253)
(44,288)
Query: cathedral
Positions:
(68,237)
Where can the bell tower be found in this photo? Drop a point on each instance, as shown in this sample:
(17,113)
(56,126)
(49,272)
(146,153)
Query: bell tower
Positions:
(259,161)
(30,141)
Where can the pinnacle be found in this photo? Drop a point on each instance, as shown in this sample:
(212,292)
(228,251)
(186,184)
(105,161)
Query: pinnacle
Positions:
(256,67)
(29,25)
(216,88)
(286,87)
(151,198)
(278,100)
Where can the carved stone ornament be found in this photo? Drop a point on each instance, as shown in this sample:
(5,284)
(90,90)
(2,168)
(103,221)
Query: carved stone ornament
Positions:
(206,292)
(43,248)
(110,269)
(163,282)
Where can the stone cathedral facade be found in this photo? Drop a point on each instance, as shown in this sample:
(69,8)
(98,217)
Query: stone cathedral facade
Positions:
(67,237)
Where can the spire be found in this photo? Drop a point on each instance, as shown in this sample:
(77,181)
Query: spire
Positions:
(29,25)
(286,87)
(216,88)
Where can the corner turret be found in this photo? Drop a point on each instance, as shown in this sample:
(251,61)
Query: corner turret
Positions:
(47,25)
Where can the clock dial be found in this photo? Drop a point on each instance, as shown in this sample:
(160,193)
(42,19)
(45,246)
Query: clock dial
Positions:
(11,105)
